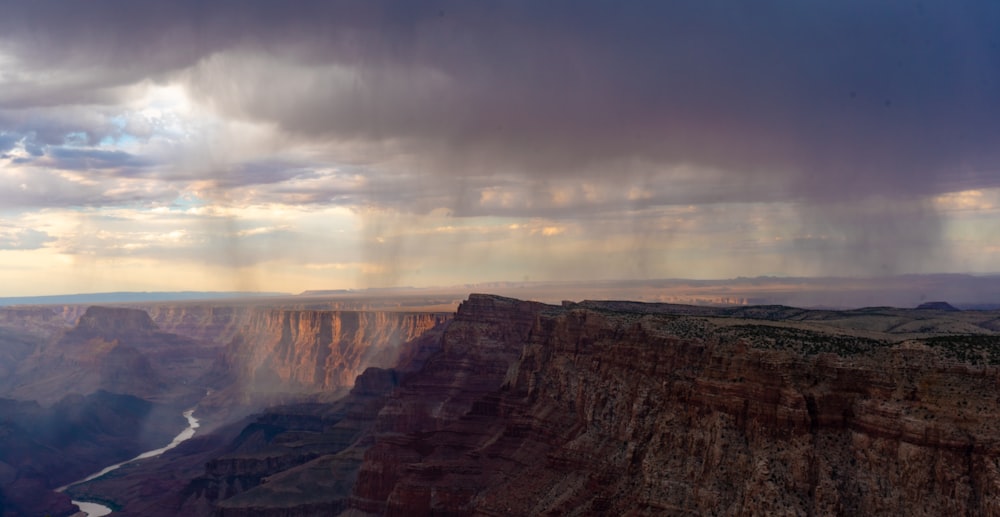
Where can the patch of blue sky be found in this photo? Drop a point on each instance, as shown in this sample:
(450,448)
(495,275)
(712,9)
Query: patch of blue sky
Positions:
(186,202)
(118,140)
(119,137)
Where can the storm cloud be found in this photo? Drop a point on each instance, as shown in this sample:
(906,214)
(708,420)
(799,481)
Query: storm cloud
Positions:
(857,113)
(821,99)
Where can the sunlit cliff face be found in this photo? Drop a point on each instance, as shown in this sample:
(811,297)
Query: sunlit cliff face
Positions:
(248,145)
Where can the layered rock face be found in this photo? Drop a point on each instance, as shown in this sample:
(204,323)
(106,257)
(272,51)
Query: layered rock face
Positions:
(36,321)
(315,451)
(630,413)
(119,350)
(478,348)
(23,330)
(309,351)
(208,323)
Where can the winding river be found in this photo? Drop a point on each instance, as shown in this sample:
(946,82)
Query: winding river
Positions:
(97,510)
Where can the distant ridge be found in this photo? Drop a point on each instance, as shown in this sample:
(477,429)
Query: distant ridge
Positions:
(131,297)
(366,290)
(938,306)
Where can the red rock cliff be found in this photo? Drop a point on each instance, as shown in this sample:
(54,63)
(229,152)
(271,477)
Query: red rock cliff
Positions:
(304,350)
(530,410)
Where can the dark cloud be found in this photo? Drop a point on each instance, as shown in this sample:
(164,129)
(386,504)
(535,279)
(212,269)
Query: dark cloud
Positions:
(87,159)
(262,172)
(856,111)
(38,128)
(824,100)
(8,141)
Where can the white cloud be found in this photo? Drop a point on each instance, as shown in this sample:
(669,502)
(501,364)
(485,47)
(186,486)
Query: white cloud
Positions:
(20,238)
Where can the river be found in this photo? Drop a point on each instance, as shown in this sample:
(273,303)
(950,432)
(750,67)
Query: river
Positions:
(97,510)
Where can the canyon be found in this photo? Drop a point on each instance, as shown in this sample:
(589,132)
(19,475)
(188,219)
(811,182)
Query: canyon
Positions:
(511,407)
(228,360)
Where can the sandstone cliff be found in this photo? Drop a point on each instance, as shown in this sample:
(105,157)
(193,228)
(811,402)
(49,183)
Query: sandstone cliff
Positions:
(638,413)
(204,322)
(309,351)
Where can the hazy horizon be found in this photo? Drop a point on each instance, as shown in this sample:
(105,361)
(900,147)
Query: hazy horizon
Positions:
(261,146)
(961,290)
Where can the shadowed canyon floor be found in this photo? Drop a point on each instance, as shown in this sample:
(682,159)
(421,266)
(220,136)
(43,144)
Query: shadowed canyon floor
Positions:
(623,408)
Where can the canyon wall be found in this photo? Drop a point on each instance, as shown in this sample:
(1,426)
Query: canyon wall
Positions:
(238,352)
(626,413)
(119,350)
(205,322)
(304,350)
(293,459)
(241,356)
(611,408)
(293,349)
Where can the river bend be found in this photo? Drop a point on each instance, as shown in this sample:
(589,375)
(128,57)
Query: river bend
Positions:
(91,509)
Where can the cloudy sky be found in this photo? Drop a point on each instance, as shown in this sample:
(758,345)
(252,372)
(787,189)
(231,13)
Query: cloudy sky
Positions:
(283,146)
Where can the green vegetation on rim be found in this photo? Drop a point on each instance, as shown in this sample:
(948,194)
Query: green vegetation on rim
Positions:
(805,342)
(970,348)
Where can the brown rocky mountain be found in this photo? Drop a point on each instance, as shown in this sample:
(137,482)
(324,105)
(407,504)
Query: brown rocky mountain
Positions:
(620,408)
(119,350)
